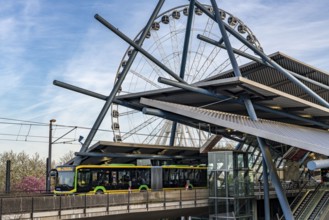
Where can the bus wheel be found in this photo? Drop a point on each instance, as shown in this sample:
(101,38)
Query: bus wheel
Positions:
(99,191)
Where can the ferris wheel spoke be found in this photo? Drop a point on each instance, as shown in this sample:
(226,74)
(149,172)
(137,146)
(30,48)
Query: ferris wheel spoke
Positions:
(164,133)
(161,50)
(174,45)
(192,139)
(155,68)
(154,133)
(226,63)
(139,127)
(201,48)
(165,43)
(182,140)
(128,113)
(207,63)
(146,79)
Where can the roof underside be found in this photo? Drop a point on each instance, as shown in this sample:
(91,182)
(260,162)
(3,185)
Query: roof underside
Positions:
(316,140)
(115,152)
(264,85)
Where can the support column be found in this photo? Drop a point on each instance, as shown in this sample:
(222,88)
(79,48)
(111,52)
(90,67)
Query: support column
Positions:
(252,114)
(262,55)
(117,85)
(184,58)
(254,209)
(266,191)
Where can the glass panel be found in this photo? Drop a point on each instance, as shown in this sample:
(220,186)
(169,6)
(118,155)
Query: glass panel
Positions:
(65,178)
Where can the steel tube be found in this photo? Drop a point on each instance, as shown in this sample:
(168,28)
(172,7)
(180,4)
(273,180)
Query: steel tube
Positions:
(251,57)
(268,60)
(79,90)
(191,88)
(173,133)
(170,116)
(318,164)
(272,170)
(187,39)
(183,62)
(226,40)
(252,114)
(236,100)
(266,191)
(141,156)
(137,47)
(118,83)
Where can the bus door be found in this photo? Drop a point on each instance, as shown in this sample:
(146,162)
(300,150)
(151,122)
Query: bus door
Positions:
(84,180)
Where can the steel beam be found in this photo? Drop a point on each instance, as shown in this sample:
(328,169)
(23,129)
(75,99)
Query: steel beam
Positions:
(256,59)
(269,61)
(137,156)
(192,88)
(226,40)
(117,85)
(79,90)
(266,59)
(172,117)
(183,63)
(266,190)
(252,114)
(197,90)
(137,47)
(238,101)
(267,160)
(318,164)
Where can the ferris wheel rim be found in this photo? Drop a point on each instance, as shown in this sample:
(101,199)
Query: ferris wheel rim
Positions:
(118,132)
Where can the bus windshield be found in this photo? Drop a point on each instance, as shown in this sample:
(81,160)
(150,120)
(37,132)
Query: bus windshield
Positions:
(65,178)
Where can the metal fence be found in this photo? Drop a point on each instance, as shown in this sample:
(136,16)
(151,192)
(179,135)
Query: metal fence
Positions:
(143,200)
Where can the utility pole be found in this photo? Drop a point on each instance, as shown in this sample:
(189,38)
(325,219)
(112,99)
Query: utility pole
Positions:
(49,155)
(8,170)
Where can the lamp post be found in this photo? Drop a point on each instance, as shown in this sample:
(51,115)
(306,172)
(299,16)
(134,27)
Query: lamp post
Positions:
(49,154)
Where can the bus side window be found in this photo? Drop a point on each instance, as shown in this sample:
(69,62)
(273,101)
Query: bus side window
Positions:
(126,177)
(191,175)
(166,177)
(147,176)
(121,176)
(141,177)
(183,174)
(94,177)
(83,178)
(114,177)
(133,177)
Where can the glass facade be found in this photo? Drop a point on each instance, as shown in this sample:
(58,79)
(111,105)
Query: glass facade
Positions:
(231,189)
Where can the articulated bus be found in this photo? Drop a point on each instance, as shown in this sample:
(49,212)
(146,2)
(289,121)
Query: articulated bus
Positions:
(107,178)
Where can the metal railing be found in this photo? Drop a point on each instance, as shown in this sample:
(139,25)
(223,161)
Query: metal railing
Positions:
(28,207)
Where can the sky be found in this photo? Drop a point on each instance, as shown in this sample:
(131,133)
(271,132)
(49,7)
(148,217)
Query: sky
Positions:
(43,40)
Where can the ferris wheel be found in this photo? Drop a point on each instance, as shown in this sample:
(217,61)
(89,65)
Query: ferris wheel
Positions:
(165,42)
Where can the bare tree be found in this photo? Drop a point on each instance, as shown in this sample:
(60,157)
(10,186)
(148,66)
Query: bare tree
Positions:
(66,157)
(22,165)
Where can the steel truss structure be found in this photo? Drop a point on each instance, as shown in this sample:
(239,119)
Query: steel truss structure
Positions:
(225,103)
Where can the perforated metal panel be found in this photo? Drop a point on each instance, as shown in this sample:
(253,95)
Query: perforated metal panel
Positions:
(310,139)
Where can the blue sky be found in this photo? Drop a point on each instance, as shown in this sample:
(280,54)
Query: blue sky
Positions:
(41,41)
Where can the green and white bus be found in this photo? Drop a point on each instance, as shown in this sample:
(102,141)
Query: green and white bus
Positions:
(113,178)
